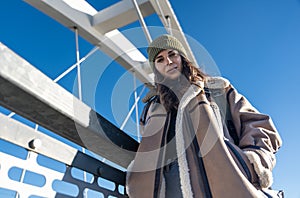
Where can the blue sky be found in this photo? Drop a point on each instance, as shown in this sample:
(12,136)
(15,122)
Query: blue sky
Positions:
(255,44)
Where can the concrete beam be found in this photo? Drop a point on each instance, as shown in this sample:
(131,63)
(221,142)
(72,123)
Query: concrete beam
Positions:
(31,94)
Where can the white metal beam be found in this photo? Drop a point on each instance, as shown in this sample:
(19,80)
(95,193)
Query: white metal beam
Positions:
(22,135)
(70,17)
(94,27)
(120,15)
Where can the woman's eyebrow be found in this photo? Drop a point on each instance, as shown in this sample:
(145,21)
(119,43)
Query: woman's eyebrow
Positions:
(158,57)
(169,52)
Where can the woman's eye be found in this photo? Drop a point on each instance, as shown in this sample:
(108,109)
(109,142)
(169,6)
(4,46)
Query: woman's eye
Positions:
(159,60)
(172,55)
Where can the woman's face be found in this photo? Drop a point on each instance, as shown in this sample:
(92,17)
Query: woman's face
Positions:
(168,63)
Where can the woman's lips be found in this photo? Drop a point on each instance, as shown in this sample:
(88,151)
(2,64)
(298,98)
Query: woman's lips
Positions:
(172,69)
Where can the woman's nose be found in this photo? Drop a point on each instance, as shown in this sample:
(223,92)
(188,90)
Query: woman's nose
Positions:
(169,60)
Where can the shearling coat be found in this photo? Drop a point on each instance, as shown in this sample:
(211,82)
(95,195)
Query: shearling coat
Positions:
(210,163)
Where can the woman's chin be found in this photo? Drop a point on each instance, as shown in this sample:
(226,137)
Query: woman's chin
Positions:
(174,75)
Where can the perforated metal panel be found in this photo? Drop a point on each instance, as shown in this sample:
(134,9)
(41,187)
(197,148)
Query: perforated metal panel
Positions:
(30,177)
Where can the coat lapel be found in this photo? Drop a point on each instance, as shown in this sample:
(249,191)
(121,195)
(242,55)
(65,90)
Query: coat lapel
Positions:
(148,164)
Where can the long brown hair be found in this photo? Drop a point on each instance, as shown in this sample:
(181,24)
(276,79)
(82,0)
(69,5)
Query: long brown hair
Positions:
(168,97)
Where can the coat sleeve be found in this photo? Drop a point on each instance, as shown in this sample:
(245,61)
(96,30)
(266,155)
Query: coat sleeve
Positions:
(258,137)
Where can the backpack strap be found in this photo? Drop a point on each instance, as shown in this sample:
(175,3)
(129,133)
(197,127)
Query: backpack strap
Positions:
(143,116)
(229,121)
(215,90)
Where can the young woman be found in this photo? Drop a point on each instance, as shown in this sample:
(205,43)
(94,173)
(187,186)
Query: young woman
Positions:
(200,137)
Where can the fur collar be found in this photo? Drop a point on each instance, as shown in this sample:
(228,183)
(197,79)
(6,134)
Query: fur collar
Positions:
(186,187)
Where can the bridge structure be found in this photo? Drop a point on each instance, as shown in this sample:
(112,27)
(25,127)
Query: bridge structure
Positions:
(84,154)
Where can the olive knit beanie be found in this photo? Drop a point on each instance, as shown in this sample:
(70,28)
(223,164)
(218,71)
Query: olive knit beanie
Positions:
(161,43)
